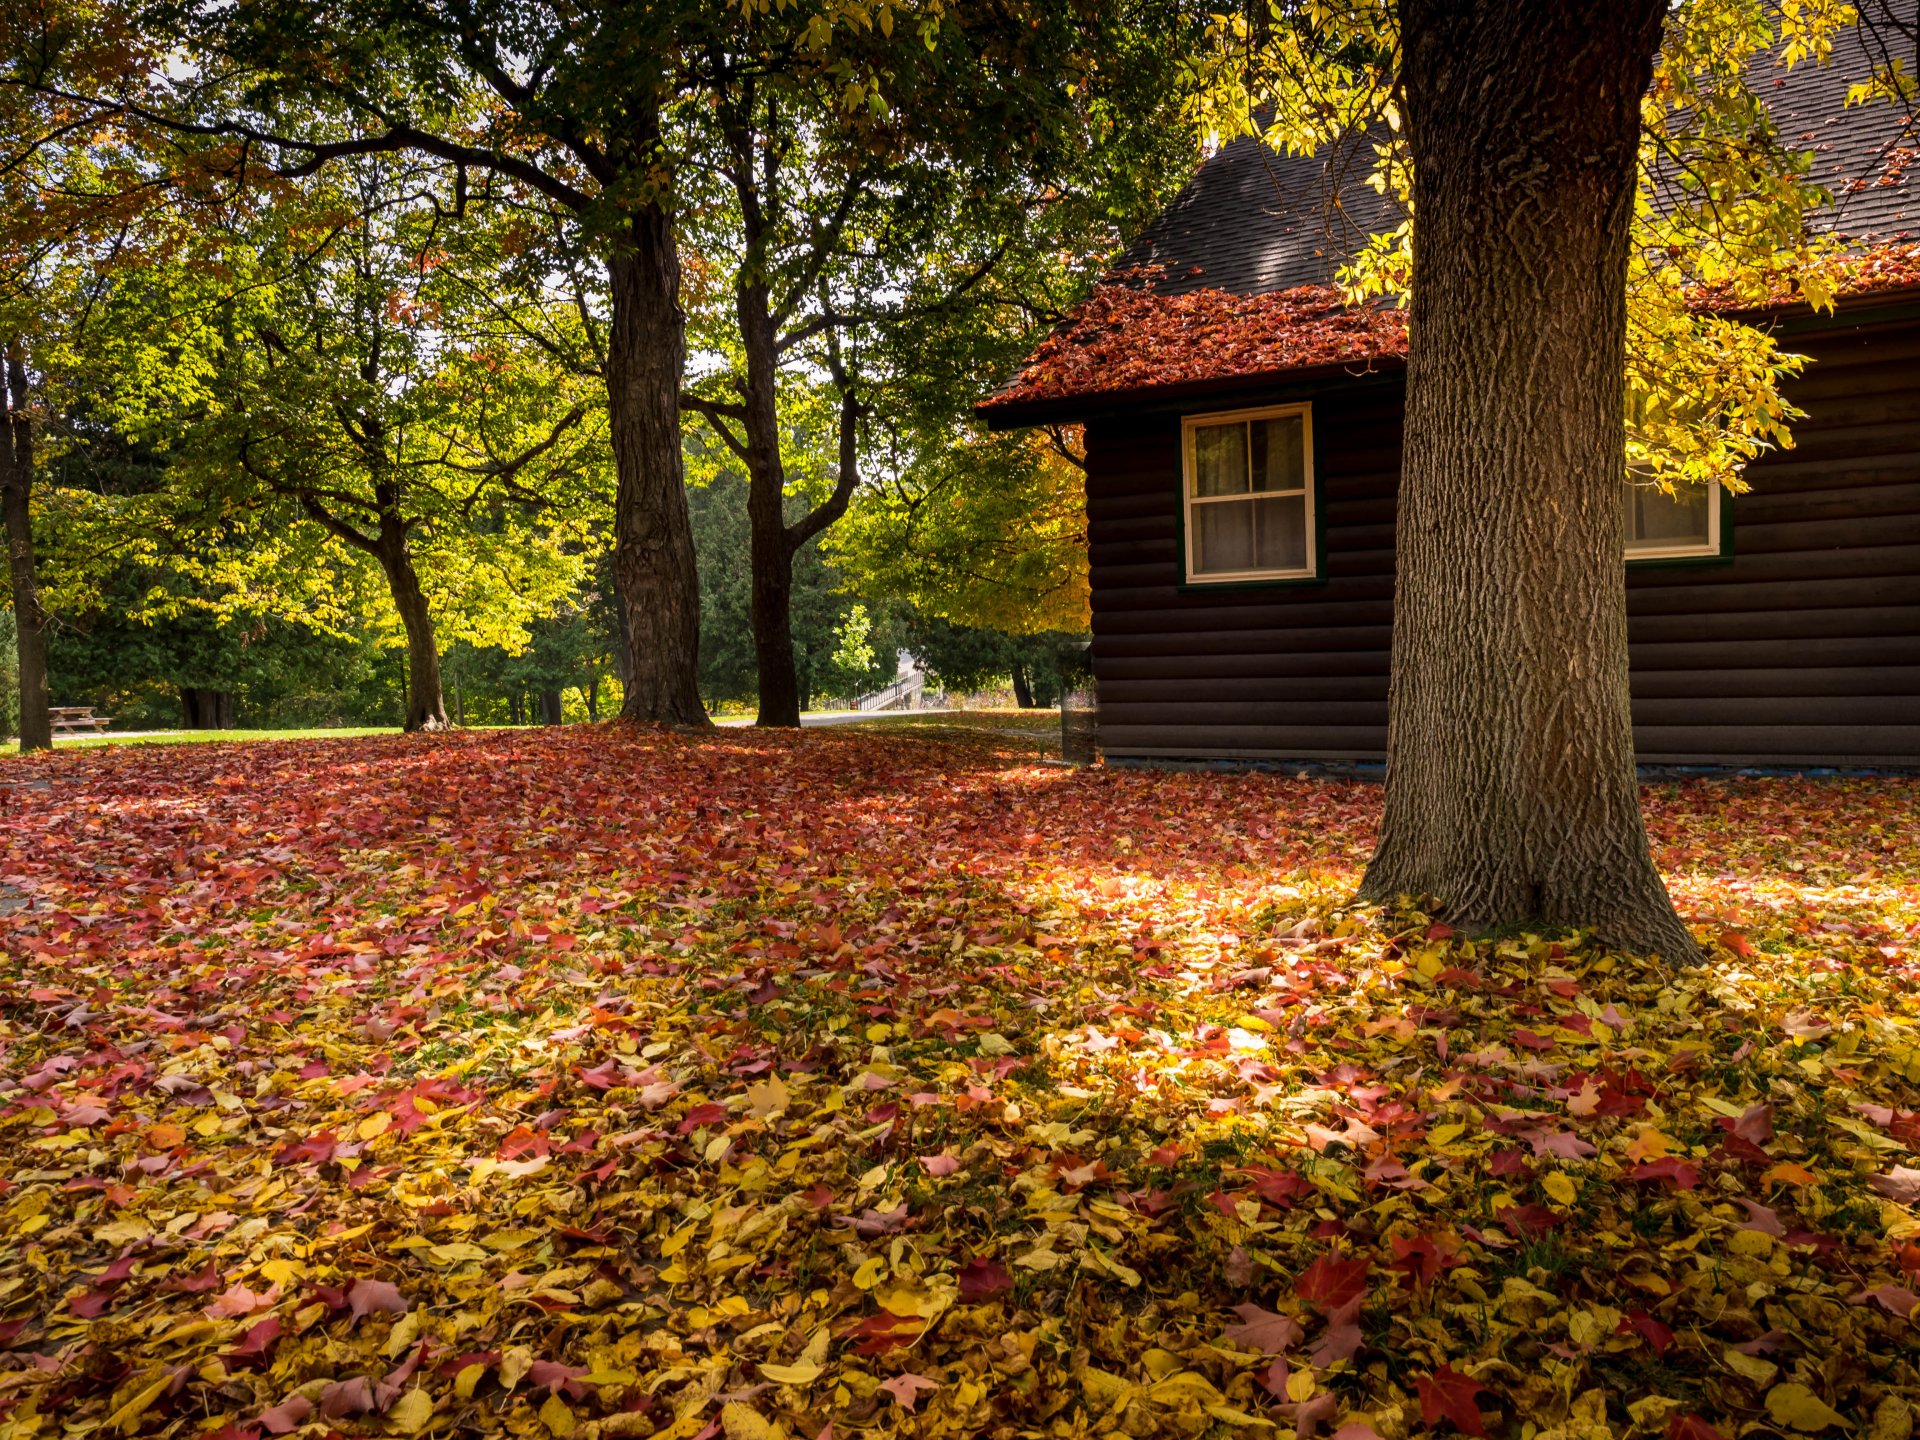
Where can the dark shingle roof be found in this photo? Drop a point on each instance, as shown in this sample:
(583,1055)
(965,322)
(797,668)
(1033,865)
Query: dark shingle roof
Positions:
(1253,221)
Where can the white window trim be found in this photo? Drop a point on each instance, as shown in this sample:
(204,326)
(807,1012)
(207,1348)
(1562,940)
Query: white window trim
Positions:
(1690,550)
(1188,500)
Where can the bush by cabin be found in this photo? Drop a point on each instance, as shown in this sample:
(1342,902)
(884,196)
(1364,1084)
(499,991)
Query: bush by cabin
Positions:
(1243,433)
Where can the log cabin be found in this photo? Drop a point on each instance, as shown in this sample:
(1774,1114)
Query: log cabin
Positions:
(1242,454)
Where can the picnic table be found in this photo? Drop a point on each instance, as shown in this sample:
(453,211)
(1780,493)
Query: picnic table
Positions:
(76,720)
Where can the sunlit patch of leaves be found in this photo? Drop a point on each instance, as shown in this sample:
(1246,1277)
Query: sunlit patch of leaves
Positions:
(601,1084)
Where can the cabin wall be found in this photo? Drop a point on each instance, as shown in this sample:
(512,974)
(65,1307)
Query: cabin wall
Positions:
(1803,650)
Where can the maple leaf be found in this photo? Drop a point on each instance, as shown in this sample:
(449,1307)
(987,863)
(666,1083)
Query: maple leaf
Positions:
(1448,1395)
(1901,1184)
(983,1279)
(1330,1283)
(1263,1330)
(375,1297)
(906,1388)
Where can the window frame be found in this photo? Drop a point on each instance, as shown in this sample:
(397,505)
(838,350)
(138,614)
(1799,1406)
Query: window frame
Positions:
(1717,547)
(1310,574)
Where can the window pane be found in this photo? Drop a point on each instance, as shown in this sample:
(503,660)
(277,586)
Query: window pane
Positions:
(1280,533)
(1220,460)
(1656,520)
(1222,538)
(1279,453)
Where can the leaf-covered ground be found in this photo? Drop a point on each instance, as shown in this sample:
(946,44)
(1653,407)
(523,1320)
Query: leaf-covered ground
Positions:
(580,1084)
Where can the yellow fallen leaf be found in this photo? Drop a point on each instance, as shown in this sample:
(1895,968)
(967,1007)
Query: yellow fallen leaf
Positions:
(127,1417)
(1797,1406)
(411,1412)
(1562,1190)
(467,1379)
(1750,1367)
(790,1374)
(742,1422)
(374,1126)
(557,1417)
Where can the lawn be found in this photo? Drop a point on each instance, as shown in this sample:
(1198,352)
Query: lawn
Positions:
(579,1083)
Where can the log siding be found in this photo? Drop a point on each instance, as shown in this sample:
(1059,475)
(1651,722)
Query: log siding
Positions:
(1801,649)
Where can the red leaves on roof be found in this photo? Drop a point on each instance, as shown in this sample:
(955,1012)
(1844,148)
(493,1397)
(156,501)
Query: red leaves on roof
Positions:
(1123,337)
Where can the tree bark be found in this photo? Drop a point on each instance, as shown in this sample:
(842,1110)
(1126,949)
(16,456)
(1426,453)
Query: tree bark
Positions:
(1511,792)
(771,548)
(16,495)
(552,709)
(205,709)
(426,702)
(1022,691)
(654,575)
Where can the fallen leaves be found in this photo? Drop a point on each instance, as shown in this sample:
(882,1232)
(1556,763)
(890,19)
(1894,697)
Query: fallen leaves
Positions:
(592,1084)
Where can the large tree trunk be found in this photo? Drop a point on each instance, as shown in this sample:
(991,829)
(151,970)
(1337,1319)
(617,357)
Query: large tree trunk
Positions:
(771,547)
(1511,794)
(16,493)
(654,575)
(204,709)
(426,703)
(552,707)
(1022,691)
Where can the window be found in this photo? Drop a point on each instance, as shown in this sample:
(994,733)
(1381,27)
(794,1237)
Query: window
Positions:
(1249,496)
(1659,526)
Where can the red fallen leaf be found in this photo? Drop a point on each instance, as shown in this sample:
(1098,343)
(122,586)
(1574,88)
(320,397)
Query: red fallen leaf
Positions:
(1674,1174)
(1263,1330)
(375,1297)
(1755,1124)
(1455,978)
(983,1279)
(93,1304)
(1894,1299)
(1342,1339)
(1691,1427)
(1281,1188)
(906,1388)
(1532,1221)
(885,1331)
(939,1166)
(196,1283)
(11,1330)
(1651,1330)
(1420,1258)
(1739,945)
(289,1415)
(1901,1184)
(258,1342)
(1439,930)
(1532,1041)
(347,1397)
(705,1113)
(1331,1283)
(1449,1395)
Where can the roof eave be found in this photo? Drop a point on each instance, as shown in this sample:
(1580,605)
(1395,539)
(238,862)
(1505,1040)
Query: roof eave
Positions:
(1093,404)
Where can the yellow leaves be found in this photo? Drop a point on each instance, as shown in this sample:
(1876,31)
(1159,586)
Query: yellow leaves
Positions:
(767,1098)
(126,1419)
(872,1270)
(374,1126)
(468,1377)
(1652,1143)
(742,1422)
(802,1374)
(1562,1190)
(1749,1367)
(1796,1406)
(557,1417)
(412,1411)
